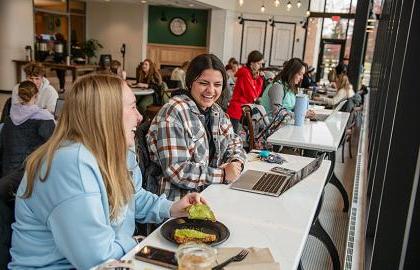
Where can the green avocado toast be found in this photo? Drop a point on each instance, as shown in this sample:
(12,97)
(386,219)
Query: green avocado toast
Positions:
(200,211)
(186,235)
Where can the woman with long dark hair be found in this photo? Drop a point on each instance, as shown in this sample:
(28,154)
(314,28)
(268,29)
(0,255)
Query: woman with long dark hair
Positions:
(284,88)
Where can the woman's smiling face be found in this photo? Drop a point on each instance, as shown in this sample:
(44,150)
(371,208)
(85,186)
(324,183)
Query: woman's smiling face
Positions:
(206,89)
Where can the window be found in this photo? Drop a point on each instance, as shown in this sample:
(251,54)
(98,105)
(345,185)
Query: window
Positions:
(317,5)
(51,5)
(334,6)
(53,17)
(334,28)
(339,6)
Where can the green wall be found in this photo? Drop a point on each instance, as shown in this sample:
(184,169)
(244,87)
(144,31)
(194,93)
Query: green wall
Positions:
(196,34)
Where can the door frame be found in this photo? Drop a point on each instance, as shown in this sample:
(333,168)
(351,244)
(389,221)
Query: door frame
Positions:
(272,37)
(242,35)
(325,41)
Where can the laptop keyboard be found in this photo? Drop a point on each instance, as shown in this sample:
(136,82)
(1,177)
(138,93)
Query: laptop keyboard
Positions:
(270,183)
(321,117)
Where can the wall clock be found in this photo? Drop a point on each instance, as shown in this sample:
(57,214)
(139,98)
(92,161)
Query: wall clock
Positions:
(178,26)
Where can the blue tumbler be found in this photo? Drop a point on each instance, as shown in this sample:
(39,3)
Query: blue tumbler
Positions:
(301,106)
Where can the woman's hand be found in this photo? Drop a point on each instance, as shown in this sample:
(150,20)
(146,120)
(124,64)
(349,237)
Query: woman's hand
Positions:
(232,171)
(310,114)
(143,85)
(178,207)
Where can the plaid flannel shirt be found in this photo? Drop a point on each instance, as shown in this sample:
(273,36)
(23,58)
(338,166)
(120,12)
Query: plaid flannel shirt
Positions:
(178,142)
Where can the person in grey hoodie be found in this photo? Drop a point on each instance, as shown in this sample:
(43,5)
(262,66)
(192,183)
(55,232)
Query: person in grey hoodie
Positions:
(27,127)
(47,97)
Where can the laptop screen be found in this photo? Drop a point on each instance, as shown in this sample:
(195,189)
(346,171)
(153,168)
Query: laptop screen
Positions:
(58,107)
(311,167)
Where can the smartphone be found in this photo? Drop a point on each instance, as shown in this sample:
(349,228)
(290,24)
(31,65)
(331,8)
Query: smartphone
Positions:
(157,256)
(282,170)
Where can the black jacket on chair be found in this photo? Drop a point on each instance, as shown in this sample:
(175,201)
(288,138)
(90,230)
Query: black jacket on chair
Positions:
(18,141)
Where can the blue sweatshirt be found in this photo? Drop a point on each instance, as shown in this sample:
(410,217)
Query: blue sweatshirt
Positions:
(66,222)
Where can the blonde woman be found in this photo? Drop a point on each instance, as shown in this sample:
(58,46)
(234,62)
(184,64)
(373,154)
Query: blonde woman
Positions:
(345,91)
(81,193)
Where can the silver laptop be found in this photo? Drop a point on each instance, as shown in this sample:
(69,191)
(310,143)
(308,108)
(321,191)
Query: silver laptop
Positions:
(58,108)
(324,116)
(274,183)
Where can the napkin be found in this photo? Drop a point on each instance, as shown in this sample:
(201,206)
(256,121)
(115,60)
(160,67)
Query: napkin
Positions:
(257,258)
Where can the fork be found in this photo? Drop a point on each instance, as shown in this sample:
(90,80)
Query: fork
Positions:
(237,258)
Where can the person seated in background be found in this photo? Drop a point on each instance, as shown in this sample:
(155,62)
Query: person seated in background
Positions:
(345,89)
(332,77)
(116,69)
(231,71)
(230,63)
(178,74)
(248,87)
(81,194)
(27,127)
(47,97)
(308,80)
(191,138)
(226,96)
(282,92)
(59,57)
(148,77)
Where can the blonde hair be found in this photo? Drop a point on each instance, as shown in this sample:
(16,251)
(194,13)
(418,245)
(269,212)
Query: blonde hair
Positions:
(26,91)
(343,82)
(92,115)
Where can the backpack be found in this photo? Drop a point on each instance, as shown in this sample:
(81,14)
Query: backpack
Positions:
(258,125)
(150,170)
(8,187)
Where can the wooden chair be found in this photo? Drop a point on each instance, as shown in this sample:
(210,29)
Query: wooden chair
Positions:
(247,120)
(350,130)
(151,111)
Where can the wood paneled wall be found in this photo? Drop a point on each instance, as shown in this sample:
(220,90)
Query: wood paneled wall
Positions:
(163,54)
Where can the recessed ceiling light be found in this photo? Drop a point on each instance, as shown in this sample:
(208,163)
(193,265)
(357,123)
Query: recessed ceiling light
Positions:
(191,5)
(143,1)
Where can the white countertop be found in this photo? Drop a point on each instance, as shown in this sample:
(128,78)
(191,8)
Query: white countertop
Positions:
(279,223)
(315,135)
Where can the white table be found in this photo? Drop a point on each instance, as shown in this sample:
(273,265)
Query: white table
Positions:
(279,223)
(315,135)
(323,136)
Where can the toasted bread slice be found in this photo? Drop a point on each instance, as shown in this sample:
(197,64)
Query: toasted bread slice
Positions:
(200,211)
(189,235)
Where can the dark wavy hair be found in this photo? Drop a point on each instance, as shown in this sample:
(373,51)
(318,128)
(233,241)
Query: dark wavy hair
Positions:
(290,69)
(254,56)
(201,63)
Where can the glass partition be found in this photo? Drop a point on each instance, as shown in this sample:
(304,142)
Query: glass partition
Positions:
(337,6)
(334,28)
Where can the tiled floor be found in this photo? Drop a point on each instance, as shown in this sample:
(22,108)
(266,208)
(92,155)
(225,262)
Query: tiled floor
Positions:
(333,219)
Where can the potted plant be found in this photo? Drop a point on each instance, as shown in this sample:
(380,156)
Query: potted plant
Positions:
(90,47)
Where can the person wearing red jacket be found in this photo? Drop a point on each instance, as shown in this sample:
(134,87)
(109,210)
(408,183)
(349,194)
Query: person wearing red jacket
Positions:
(248,87)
